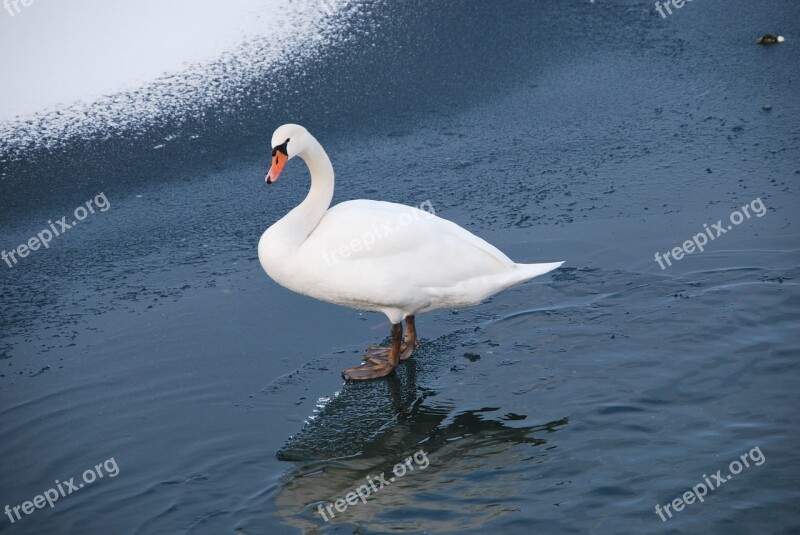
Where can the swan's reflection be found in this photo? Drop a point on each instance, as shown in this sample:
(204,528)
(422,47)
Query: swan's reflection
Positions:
(477,458)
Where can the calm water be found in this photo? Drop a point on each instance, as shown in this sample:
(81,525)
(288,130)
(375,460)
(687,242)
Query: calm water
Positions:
(595,133)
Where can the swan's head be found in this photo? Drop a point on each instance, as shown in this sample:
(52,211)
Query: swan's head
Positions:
(288,141)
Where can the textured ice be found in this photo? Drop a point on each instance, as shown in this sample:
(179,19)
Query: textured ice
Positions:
(94,68)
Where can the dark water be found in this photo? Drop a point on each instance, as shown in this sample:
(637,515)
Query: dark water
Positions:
(595,133)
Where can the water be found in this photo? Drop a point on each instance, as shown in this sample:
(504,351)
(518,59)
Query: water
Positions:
(595,133)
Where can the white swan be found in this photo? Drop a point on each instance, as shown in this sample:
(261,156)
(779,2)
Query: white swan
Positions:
(378,256)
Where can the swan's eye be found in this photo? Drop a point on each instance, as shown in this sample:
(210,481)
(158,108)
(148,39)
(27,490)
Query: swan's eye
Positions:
(281,148)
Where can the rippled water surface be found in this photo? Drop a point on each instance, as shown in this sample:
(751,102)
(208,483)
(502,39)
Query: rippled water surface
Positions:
(591,132)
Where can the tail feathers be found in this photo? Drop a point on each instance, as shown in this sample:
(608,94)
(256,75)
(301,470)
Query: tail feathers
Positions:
(529,271)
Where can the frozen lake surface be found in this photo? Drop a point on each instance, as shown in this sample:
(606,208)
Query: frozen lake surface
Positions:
(595,133)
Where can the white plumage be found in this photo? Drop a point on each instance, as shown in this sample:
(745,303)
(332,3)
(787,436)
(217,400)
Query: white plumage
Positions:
(375,255)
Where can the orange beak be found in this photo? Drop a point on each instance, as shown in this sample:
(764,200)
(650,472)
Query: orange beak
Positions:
(278,161)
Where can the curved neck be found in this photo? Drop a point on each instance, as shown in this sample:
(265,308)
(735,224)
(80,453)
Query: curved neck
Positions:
(305,217)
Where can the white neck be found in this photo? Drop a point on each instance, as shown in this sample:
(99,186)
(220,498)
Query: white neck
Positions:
(298,224)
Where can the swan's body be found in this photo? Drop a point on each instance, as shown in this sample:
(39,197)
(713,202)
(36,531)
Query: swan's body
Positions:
(426,264)
(374,255)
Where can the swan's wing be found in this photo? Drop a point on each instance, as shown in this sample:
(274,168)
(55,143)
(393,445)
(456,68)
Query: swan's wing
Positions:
(427,249)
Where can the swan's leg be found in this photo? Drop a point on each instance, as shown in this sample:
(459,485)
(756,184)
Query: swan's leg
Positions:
(411,335)
(373,370)
(380,354)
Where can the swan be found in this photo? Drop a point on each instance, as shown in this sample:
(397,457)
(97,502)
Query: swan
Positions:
(377,256)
